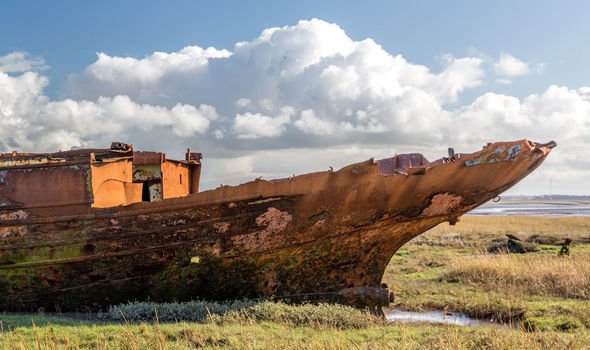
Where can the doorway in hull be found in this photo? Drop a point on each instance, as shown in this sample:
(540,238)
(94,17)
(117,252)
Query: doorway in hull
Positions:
(151,191)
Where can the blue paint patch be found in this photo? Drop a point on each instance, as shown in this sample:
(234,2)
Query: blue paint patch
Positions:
(512,152)
(495,156)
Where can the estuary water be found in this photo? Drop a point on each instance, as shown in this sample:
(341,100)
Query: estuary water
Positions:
(548,208)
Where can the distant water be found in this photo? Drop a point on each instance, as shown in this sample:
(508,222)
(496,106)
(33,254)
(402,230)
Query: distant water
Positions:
(433,317)
(531,208)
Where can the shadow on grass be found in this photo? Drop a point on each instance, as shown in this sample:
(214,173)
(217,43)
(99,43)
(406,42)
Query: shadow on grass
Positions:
(12,320)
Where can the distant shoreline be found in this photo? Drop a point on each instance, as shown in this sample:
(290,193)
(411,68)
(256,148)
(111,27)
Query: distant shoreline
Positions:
(537,206)
(552,197)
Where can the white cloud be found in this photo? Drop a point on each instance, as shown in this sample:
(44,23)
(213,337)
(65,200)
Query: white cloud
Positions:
(254,126)
(30,121)
(153,67)
(243,102)
(19,61)
(218,134)
(459,75)
(509,66)
(584,92)
(188,120)
(558,113)
(289,50)
(292,89)
(311,124)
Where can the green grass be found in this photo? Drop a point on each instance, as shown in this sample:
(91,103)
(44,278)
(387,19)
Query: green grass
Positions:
(10,321)
(271,335)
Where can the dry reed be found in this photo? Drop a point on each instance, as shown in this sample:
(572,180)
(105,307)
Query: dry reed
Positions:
(538,275)
(573,227)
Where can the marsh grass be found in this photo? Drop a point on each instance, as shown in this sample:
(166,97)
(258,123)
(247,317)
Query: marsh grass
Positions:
(447,268)
(477,232)
(567,277)
(265,335)
(473,228)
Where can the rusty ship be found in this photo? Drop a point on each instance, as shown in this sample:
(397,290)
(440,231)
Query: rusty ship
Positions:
(84,229)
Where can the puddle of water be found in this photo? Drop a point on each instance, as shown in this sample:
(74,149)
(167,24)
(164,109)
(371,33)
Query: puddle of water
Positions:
(396,315)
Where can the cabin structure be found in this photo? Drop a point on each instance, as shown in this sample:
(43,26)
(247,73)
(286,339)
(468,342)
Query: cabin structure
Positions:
(96,178)
(163,178)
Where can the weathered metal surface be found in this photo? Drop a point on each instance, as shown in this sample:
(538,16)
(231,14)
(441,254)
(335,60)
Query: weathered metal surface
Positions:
(46,185)
(146,171)
(155,192)
(327,234)
(141,158)
(57,182)
(400,163)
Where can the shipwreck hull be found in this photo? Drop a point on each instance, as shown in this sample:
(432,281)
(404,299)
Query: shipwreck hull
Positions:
(326,236)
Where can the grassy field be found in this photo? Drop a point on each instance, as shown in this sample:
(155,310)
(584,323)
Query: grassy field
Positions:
(542,299)
(449,268)
(276,335)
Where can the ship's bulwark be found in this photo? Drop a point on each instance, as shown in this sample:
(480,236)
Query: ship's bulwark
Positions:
(326,235)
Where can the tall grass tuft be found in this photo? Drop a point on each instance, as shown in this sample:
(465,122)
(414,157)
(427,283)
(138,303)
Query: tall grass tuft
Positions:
(192,311)
(306,315)
(245,312)
(567,277)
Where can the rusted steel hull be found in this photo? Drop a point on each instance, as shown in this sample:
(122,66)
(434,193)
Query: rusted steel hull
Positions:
(326,235)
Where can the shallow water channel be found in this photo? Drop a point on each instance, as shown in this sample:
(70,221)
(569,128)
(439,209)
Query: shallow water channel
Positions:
(397,315)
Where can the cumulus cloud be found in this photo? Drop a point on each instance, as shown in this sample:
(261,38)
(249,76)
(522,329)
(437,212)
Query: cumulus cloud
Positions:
(256,125)
(154,67)
(30,121)
(337,88)
(509,66)
(311,124)
(558,112)
(294,99)
(19,61)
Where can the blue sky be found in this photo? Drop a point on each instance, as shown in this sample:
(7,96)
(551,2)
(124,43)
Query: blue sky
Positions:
(432,74)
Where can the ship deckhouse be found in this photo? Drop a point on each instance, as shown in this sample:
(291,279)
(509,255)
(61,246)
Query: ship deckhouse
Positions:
(99,178)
